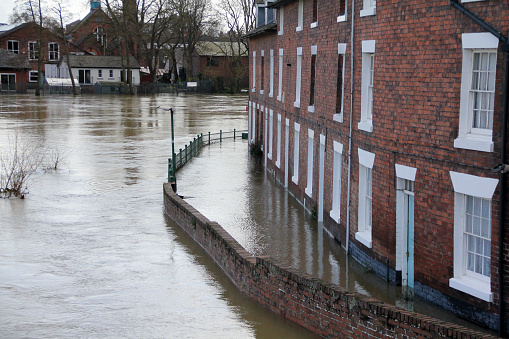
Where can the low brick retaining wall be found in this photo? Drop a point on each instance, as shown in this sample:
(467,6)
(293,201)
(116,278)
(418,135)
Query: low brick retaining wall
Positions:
(325,309)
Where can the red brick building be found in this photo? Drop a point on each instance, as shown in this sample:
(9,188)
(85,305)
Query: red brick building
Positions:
(388,118)
(23,40)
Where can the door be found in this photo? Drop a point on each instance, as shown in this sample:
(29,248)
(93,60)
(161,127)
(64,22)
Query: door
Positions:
(410,240)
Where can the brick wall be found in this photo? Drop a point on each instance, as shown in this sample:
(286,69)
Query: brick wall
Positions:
(416,104)
(325,309)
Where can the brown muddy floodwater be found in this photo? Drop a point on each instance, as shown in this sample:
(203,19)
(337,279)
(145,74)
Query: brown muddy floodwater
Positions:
(90,253)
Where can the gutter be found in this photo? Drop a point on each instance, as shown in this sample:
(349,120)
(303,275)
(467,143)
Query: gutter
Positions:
(349,205)
(502,168)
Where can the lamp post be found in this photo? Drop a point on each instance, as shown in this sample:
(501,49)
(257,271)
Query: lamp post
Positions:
(172,179)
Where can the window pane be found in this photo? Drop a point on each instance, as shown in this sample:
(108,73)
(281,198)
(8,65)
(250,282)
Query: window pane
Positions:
(470,262)
(486,268)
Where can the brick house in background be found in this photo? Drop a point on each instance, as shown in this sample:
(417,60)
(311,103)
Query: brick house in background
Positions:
(388,118)
(95,33)
(13,71)
(22,40)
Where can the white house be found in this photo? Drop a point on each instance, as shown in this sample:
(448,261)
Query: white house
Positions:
(90,69)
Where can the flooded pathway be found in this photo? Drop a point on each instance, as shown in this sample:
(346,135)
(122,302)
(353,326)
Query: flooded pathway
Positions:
(89,252)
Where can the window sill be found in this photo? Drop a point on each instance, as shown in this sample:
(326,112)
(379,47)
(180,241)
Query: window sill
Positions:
(278,164)
(253,90)
(338,117)
(368,11)
(261,91)
(280,33)
(298,28)
(311,109)
(296,104)
(314,24)
(335,215)
(279,98)
(309,191)
(269,155)
(475,144)
(295,180)
(342,18)
(271,95)
(475,287)
(365,126)
(364,238)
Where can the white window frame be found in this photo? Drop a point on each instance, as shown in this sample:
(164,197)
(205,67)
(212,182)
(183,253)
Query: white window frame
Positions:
(254,72)
(368,52)
(33,54)
(271,132)
(369,8)
(300,16)
(52,53)
(111,74)
(31,74)
(315,23)
(280,76)
(262,70)
(281,20)
(342,18)
(253,123)
(364,231)
(278,140)
(298,79)
(335,212)
(468,137)
(338,116)
(311,142)
(296,142)
(468,185)
(99,74)
(271,85)
(314,50)
(12,50)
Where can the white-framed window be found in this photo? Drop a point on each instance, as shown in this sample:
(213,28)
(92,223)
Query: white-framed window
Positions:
(253,122)
(296,141)
(335,213)
(262,70)
(281,20)
(100,35)
(280,76)
(271,132)
(111,74)
(33,50)
(368,70)
(311,141)
(53,51)
(312,80)
(84,76)
(278,140)
(472,234)
(254,72)
(298,79)
(342,11)
(365,217)
(271,83)
(13,46)
(369,8)
(33,76)
(314,14)
(100,73)
(477,92)
(340,83)
(300,16)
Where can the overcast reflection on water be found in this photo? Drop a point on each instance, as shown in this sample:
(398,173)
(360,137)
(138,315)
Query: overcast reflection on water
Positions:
(89,252)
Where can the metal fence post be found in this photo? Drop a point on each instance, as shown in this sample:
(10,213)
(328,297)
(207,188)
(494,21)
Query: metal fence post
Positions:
(186,154)
(209,138)
(180,157)
(220,135)
(234,134)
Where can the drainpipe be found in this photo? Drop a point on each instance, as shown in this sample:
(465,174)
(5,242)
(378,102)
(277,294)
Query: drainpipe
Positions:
(501,235)
(348,206)
(503,167)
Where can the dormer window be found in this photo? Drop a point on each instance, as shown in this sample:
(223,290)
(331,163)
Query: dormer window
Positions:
(100,35)
(264,15)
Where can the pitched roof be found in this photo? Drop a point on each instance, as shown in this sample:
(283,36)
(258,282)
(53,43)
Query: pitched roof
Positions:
(13,60)
(262,30)
(97,61)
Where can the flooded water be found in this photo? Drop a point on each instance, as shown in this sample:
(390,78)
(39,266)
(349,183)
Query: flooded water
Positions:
(89,252)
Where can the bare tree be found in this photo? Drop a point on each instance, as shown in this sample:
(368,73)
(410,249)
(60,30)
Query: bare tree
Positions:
(59,11)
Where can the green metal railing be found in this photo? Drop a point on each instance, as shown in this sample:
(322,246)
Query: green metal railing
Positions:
(185,154)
